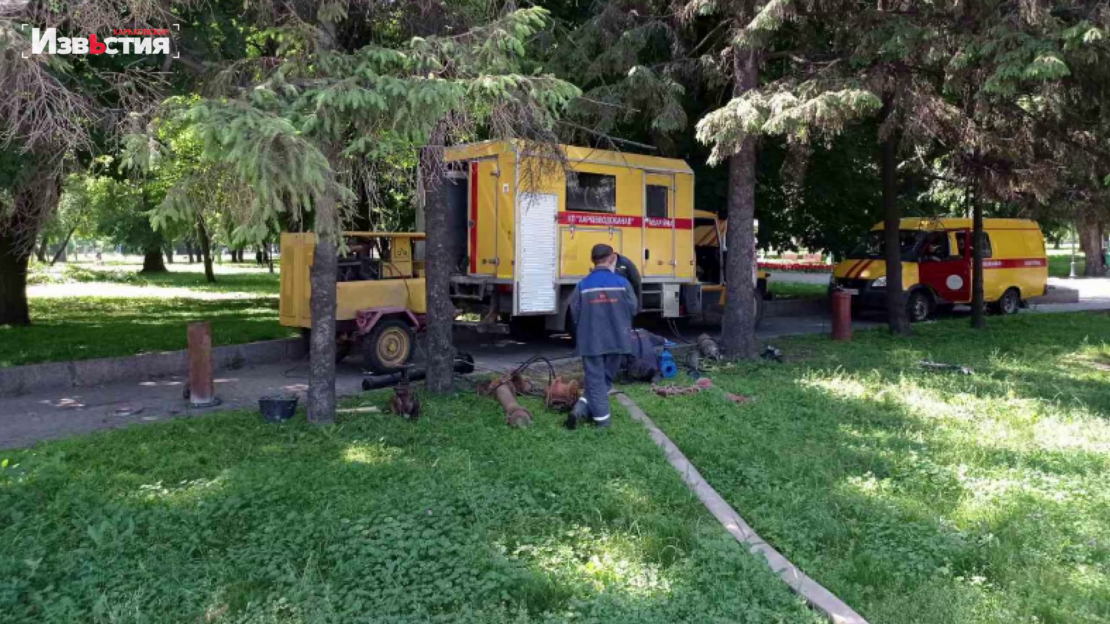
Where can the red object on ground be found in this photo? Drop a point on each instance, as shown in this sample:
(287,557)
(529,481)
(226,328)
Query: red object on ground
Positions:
(841,315)
(202,389)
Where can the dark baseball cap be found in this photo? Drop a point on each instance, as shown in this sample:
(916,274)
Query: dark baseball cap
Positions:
(600,251)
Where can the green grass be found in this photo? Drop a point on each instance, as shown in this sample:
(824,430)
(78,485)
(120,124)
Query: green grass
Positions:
(1059,263)
(117,311)
(798,290)
(453,518)
(925,497)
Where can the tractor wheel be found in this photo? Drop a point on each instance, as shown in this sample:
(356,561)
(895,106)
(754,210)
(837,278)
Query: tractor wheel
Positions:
(389,346)
(342,347)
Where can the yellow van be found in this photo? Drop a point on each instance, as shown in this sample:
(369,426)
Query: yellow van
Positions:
(936,265)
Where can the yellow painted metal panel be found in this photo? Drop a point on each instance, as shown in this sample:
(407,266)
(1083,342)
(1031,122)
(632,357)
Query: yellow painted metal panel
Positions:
(355,296)
(576,243)
(489,208)
(684,228)
(659,235)
(506,218)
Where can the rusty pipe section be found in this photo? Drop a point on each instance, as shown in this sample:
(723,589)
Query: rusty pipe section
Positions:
(515,414)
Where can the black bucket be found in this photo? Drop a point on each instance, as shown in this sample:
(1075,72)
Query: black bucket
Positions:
(278,408)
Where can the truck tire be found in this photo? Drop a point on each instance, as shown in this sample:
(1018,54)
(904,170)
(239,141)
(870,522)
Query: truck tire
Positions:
(1008,303)
(919,305)
(389,346)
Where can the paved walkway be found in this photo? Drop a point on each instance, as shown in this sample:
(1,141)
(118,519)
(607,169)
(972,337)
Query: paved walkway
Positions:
(27,419)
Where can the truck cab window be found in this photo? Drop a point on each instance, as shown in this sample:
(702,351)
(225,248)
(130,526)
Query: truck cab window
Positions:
(591,192)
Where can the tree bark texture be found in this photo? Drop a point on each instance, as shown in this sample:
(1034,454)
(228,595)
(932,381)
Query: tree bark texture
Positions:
(35,199)
(896,316)
(441,311)
(205,250)
(13,283)
(978,311)
(152,260)
(1090,241)
(322,302)
(738,323)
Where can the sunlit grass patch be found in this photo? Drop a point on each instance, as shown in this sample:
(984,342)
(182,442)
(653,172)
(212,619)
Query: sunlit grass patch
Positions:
(922,495)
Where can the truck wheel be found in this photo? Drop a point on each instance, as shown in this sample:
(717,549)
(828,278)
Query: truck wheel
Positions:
(342,347)
(919,307)
(1009,303)
(388,347)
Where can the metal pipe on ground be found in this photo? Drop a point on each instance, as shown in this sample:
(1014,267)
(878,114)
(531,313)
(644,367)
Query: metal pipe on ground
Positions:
(515,414)
(464,365)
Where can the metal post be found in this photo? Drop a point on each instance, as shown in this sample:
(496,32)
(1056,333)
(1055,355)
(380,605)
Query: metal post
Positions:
(841,315)
(202,390)
(1072,275)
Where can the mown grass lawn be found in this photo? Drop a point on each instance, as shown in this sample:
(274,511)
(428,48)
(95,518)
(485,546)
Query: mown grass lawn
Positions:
(453,518)
(797,290)
(925,497)
(82,312)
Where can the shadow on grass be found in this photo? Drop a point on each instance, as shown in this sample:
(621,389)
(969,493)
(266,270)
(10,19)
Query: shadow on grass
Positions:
(451,518)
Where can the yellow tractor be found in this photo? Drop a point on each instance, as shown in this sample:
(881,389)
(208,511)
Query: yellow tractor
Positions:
(380,294)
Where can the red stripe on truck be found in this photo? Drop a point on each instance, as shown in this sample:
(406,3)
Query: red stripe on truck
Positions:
(1014,263)
(588,219)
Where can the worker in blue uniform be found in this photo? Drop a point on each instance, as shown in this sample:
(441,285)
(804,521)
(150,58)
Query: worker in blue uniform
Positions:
(602,307)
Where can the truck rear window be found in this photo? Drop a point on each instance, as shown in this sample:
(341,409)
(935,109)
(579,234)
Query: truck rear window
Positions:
(591,192)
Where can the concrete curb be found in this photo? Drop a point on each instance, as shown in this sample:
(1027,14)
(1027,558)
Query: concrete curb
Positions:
(817,596)
(17,380)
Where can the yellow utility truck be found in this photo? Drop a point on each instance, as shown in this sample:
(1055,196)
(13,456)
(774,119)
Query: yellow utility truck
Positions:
(522,224)
(531,217)
(937,264)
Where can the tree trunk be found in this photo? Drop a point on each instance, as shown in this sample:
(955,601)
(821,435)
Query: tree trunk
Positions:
(978,314)
(152,260)
(269,258)
(61,253)
(441,311)
(169,253)
(322,301)
(40,250)
(738,323)
(34,200)
(189,250)
(205,249)
(1090,241)
(13,283)
(896,316)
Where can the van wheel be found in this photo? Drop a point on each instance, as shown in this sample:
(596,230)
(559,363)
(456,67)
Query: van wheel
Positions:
(1008,303)
(919,307)
(388,347)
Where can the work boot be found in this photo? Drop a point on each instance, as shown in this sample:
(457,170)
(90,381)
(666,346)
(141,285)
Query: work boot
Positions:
(603,422)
